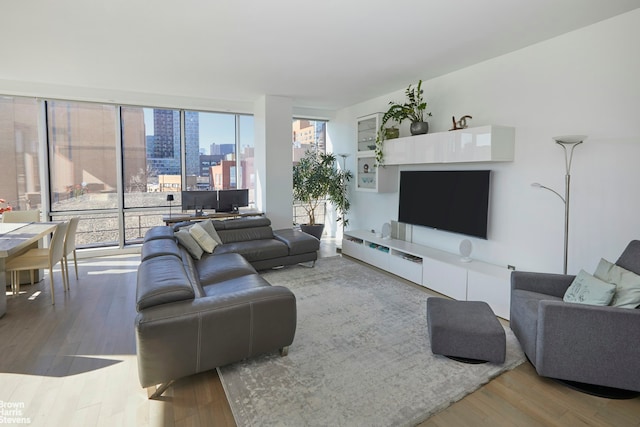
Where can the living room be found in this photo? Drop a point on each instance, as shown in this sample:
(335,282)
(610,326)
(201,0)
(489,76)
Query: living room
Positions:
(581,80)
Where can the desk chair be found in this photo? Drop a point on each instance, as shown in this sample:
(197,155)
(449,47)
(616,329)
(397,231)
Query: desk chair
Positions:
(35,259)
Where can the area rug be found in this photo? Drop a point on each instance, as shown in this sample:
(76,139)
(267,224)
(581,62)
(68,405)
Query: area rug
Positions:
(360,357)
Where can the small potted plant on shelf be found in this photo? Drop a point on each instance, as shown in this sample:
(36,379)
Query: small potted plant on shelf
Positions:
(316,178)
(413,109)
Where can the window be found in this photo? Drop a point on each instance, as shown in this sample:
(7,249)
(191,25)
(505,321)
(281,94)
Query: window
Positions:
(307,135)
(19,163)
(87,147)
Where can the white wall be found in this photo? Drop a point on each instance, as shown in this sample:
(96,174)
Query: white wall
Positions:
(584,82)
(273,159)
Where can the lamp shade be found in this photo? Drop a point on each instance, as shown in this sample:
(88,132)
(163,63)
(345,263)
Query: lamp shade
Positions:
(169,197)
(569,139)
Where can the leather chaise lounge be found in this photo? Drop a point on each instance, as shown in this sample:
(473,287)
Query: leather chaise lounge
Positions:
(196,315)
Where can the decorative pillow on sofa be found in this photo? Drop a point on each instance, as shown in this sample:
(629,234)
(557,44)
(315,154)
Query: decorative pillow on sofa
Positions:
(190,244)
(211,230)
(203,238)
(586,289)
(627,284)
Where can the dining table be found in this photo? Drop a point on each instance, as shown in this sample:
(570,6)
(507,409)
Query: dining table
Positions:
(16,238)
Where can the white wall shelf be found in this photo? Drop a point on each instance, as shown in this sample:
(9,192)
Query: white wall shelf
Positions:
(478,144)
(438,270)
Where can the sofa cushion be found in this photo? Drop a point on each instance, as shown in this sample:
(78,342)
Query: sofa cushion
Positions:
(214,268)
(245,234)
(162,280)
(250,281)
(524,318)
(158,233)
(254,250)
(203,238)
(157,247)
(297,241)
(587,289)
(247,222)
(627,284)
(189,243)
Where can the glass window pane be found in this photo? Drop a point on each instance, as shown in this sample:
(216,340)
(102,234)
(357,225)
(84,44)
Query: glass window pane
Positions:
(20,183)
(307,135)
(82,149)
(214,141)
(151,156)
(95,229)
(136,224)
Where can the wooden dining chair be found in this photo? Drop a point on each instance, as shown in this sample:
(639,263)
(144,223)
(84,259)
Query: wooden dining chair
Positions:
(35,259)
(21,216)
(70,246)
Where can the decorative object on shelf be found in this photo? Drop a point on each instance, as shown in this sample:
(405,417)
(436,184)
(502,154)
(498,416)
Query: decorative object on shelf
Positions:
(465,250)
(460,124)
(170,200)
(413,109)
(316,179)
(391,133)
(573,141)
(386,230)
(365,168)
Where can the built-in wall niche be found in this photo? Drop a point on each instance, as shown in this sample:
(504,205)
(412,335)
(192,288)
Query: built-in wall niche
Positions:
(370,177)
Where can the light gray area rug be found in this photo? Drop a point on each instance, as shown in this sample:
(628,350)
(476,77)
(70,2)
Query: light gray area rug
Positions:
(360,357)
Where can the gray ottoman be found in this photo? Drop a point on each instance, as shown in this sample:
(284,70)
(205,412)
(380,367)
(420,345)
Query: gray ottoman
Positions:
(465,330)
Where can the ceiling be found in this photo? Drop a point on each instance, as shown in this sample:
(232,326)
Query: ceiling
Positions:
(322,54)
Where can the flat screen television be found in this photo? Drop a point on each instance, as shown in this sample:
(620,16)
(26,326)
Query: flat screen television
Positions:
(199,201)
(231,200)
(456,201)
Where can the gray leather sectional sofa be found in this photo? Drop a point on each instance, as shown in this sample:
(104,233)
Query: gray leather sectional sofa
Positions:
(196,315)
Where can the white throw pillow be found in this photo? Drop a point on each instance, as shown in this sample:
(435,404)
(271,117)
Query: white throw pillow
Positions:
(203,238)
(586,289)
(627,284)
(211,230)
(186,239)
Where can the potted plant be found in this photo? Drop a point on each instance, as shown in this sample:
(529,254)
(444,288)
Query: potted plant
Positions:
(316,178)
(413,109)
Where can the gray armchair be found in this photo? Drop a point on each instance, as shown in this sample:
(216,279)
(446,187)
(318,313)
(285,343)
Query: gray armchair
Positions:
(592,345)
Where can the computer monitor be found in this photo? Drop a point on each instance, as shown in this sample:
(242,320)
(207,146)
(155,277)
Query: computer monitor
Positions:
(231,200)
(199,201)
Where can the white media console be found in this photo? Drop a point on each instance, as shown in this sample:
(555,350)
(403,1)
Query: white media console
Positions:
(440,271)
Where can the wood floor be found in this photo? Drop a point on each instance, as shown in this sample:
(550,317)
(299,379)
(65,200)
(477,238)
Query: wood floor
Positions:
(74,364)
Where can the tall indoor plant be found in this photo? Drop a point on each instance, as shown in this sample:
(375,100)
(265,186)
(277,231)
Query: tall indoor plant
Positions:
(316,178)
(412,109)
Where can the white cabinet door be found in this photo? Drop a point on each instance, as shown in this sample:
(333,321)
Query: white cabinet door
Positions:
(445,278)
(410,270)
(494,289)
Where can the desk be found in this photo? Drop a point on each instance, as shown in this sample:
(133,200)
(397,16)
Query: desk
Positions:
(15,238)
(168,220)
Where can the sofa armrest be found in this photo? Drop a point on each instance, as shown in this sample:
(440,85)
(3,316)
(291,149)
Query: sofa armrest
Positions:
(544,283)
(179,339)
(590,344)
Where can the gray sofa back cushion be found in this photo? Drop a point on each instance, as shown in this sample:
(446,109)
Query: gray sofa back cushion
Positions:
(245,234)
(158,247)
(630,258)
(162,280)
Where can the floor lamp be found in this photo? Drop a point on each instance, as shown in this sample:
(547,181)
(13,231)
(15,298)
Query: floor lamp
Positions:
(170,200)
(565,141)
